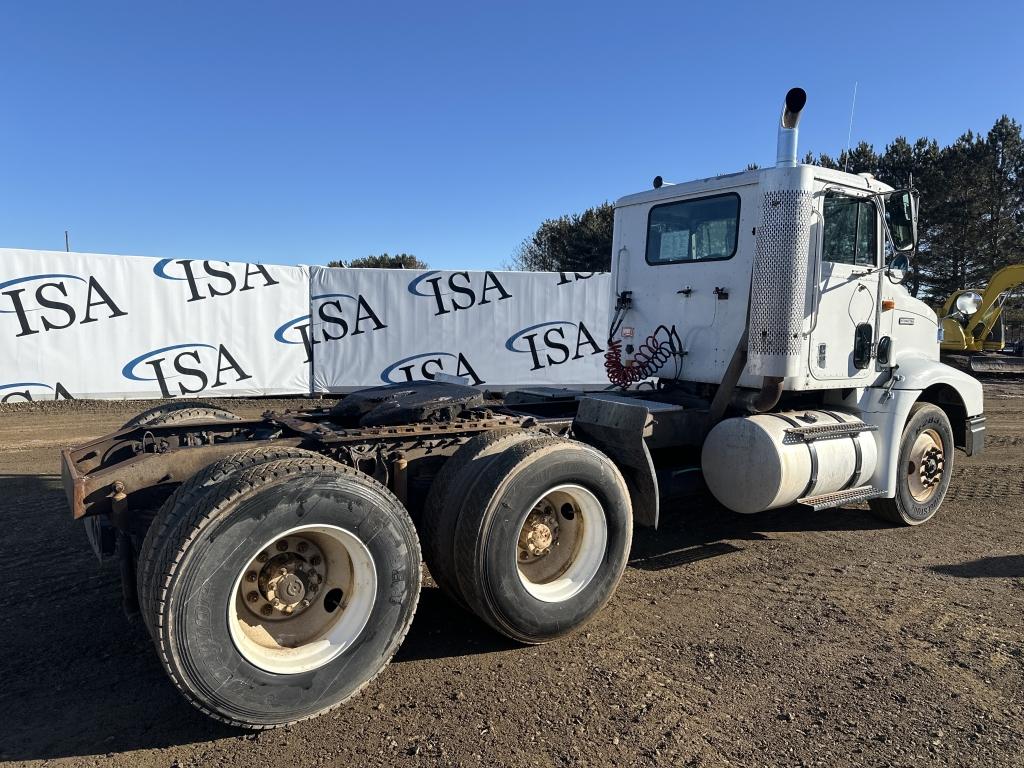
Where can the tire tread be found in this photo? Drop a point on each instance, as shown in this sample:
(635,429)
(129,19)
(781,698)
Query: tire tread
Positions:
(181,500)
(208,507)
(446,500)
(470,530)
(178,413)
(892,510)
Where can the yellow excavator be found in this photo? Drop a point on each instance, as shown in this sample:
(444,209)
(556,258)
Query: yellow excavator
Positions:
(972,326)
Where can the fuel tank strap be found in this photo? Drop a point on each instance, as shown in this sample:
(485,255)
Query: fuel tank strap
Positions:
(812,451)
(858,453)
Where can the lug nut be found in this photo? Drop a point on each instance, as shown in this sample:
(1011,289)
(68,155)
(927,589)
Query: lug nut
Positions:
(314,560)
(252,597)
(262,557)
(250,576)
(266,610)
(282,545)
(303,546)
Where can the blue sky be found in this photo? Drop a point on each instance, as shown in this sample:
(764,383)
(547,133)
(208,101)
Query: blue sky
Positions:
(302,132)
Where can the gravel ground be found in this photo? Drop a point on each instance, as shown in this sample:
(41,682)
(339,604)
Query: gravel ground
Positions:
(786,638)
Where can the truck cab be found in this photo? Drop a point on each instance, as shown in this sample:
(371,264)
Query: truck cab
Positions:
(689,249)
(785,285)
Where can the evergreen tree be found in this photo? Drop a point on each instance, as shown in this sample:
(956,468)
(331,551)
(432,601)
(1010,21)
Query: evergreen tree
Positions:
(579,242)
(383,261)
(971,219)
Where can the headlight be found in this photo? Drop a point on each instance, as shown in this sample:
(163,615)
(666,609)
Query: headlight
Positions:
(968,302)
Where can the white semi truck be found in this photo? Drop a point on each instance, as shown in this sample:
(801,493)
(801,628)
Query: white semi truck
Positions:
(761,342)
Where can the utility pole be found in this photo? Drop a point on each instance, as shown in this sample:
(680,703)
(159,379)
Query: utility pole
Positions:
(67,242)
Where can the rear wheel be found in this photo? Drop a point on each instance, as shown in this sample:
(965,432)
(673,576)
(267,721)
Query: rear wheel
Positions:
(446,499)
(925,468)
(178,505)
(543,538)
(289,587)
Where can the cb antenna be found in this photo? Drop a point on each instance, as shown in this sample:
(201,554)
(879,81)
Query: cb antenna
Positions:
(849,132)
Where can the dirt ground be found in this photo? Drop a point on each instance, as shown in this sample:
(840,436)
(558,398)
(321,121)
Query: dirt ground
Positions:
(786,638)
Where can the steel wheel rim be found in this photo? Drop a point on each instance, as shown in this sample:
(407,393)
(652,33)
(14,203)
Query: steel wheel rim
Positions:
(557,562)
(925,466)
(312,635)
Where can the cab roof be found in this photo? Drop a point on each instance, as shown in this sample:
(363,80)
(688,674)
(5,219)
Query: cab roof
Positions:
(744,178)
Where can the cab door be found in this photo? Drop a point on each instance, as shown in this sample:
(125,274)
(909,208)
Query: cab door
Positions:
(843,321)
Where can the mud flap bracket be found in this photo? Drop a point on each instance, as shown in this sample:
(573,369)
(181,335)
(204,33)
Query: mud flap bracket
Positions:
(618,429)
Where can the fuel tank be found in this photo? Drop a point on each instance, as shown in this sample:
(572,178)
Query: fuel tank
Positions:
(756,463)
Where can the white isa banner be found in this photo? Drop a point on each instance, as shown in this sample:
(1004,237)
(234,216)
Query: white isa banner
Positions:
(78,325)
(90,325)
(497,330)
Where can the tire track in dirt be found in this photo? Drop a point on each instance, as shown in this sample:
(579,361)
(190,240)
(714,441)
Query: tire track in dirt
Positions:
(777,639)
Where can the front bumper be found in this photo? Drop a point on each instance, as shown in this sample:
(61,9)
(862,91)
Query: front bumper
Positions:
(974,435)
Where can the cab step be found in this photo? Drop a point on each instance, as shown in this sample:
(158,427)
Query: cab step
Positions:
(824,431)
(838,498)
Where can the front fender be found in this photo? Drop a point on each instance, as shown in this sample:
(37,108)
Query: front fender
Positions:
(888,410)
(919,373)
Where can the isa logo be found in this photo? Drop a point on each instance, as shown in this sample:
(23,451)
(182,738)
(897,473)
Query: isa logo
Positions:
(209,280)
(426,365)
(553,343)
(53,302)
(30,391)
(567,278)
(460,290)
(199,366)
(335,316)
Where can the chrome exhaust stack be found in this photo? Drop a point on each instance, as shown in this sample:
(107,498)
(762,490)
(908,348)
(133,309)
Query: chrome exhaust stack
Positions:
(785,154)
(776,346)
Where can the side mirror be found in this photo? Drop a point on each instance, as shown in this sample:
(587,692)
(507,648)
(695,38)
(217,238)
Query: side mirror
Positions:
(901,218)
(898,267)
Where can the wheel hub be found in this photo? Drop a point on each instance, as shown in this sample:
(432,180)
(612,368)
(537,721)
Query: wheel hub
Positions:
(286,583)
(285,580)
(538,535)
(302,599)
(562,543)
(926,465)
(931,467)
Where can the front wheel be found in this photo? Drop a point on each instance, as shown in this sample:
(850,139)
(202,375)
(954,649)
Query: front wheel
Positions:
(291,586)
(925,468)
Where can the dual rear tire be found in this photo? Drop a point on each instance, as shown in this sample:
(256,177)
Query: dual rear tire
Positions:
(277,588)
(531,534)
(276,583)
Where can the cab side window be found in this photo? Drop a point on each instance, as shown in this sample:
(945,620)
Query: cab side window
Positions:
(851,231)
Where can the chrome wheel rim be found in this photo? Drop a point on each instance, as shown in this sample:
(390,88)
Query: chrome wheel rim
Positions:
(303,599)
(562,543)
(925,466)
